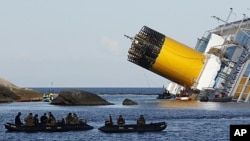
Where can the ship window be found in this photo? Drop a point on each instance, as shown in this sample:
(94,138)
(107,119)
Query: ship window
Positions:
(246,73)
(201,44)
(230,52)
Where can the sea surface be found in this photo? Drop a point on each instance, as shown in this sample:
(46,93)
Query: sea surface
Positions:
(186,120)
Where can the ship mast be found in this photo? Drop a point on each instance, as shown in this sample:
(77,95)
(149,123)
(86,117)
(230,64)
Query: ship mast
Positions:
(226,22)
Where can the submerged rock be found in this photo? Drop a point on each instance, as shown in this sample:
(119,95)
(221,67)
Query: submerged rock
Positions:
(129,102)
(79,97)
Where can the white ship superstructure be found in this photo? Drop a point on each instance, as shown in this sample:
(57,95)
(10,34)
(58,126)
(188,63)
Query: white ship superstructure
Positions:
(227,65)
(218,67)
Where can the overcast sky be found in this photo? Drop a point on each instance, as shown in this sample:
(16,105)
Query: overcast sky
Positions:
(80,43)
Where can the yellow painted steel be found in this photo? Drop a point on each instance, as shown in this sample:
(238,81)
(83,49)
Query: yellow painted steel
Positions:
(179,63)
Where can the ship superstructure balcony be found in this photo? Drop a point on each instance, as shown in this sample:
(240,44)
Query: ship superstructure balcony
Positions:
(234,54)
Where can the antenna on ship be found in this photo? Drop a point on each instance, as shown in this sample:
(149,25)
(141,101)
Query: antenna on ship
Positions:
(244,17)
(131,38)
(231,11)
(225,21)
(219,19)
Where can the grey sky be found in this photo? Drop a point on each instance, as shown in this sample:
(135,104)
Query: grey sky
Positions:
(80,43)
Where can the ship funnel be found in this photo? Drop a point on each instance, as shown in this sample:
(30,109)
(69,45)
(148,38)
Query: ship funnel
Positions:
(165,57)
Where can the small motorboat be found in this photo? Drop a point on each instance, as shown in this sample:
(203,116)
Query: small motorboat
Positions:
(166,95)
(183,98)
(49,97)
(48,128)
(151,127)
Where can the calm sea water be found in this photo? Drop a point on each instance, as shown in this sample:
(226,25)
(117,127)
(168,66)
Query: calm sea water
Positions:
(100,90)
(187,120)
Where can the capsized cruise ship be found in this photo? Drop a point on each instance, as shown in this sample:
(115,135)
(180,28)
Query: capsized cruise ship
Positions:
(218,66)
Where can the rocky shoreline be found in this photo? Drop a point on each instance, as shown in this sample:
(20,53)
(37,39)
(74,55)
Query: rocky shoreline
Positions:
(11,93)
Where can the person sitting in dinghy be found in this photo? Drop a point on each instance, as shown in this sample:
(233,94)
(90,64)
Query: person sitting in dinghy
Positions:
(141,120)
(18,121)
(120,121)
(29,120)
(109,122)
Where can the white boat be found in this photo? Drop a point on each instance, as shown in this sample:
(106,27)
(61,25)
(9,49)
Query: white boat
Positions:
(183,98)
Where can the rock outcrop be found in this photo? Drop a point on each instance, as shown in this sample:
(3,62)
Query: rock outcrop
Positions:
(129,102)
(10,92)
(6,95)
(6,83)
(79,97)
